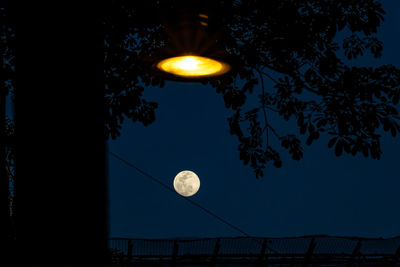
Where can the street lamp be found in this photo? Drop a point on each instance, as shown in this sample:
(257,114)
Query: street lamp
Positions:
(191,66)
(194,51)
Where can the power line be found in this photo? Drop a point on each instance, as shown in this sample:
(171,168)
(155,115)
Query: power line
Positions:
(187,199)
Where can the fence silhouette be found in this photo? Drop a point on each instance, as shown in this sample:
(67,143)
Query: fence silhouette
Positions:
(255,251)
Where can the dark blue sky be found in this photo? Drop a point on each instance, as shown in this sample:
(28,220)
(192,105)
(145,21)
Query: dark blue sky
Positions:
(321,194)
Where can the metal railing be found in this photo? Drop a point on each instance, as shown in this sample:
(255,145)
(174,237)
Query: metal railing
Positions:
(256,251)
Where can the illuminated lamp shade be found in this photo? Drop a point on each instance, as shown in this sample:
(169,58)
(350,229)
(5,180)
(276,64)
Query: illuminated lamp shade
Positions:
(193,66)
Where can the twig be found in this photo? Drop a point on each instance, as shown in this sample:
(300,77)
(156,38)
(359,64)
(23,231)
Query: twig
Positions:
(263,107)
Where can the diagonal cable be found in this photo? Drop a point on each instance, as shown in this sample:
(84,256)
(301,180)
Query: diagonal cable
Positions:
(187,199)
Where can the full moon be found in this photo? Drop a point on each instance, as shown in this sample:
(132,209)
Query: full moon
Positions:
(186,183)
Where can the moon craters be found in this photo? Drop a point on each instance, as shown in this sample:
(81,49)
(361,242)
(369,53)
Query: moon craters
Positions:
(186,183)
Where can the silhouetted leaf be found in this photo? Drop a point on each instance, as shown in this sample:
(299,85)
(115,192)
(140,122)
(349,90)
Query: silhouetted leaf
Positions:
(300,119)
(346,147)
(311,128)
(278,163)
(303,128)
(338,148)
(285,143)
(397,126)
(393,130)
(332,142)
(321,123)
(396,98)
(374,154)
(365,151)
(355,150)
(309,140)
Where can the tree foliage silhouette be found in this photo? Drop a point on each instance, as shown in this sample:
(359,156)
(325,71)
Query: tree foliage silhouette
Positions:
(305,48)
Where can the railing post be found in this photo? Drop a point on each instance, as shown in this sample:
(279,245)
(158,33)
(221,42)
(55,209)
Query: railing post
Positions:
(356,250)
(175,253)
(215,253)
(129,256)
(396,256)
(309,253)
(262,254)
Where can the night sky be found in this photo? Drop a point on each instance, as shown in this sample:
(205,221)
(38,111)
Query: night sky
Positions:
(320,194)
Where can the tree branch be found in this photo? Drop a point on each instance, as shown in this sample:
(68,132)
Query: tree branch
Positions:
(263,107)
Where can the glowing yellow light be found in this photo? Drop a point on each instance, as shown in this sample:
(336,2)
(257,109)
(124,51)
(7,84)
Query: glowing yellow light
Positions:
(193,66)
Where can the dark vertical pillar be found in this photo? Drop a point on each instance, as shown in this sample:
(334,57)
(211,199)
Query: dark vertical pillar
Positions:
(6,233)
(60,164)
